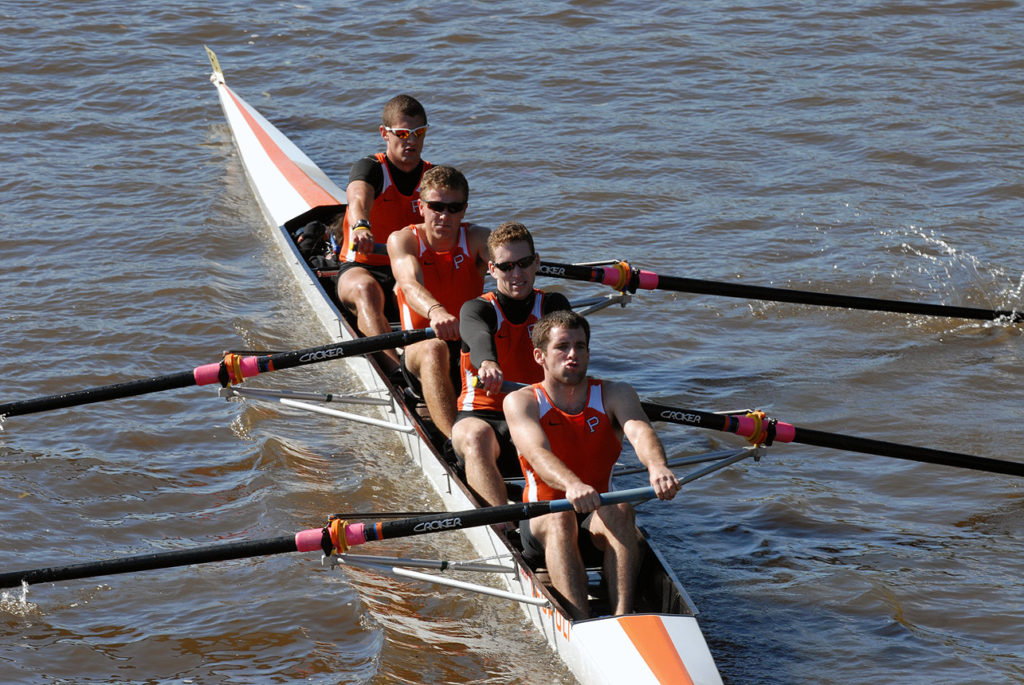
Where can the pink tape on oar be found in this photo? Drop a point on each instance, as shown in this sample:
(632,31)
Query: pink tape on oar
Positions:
(311,540)
(610,276)
(355,534)
(618,277)
(784,432)
(647,280)
(210,373)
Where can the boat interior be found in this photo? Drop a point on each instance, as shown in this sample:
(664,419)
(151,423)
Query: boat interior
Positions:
(658,590)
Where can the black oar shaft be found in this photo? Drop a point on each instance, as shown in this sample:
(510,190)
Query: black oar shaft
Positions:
(116,391)
(312,539)
(806,436)
(757,292)
(472,518)
(146,562)
(909,452)
(348,348)
(209,373)
(651,281)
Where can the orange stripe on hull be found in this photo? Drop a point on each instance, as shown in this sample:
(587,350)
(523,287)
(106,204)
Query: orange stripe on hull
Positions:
(650,638)
(310,190)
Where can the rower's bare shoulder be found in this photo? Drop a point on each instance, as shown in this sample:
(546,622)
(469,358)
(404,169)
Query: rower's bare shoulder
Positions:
(478,237)
(519,401)
(622,399)
(402,241)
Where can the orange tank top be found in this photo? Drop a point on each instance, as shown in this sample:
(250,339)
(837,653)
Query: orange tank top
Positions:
(391,211)
(452,277)
(514,350)
(587,443)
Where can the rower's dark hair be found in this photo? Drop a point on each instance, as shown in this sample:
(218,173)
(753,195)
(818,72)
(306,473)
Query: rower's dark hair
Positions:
(561,318)
(506,233)
(444,177)
(402,105)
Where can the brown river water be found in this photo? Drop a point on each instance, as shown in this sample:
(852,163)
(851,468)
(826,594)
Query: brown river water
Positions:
(862,148)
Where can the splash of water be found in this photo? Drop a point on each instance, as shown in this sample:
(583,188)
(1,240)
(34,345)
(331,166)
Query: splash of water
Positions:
(956,276)
(16,603)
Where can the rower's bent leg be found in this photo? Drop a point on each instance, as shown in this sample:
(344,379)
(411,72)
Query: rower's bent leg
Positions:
(362,295)
(614,530)
(429,360)
(475,442)
(559,533)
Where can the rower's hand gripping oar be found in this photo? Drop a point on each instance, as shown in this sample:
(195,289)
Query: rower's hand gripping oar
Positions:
(233,369)
(335,538)
(759,429)
(625,278)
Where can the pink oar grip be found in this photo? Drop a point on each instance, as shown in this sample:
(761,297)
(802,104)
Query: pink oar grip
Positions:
(210,373)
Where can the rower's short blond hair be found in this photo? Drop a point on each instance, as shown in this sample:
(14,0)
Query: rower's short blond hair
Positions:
(444,177)
(507,233)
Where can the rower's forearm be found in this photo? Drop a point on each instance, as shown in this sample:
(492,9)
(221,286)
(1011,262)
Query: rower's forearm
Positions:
(649,449)
(421,299)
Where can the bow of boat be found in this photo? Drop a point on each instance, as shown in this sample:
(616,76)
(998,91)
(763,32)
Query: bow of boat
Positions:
(287,183)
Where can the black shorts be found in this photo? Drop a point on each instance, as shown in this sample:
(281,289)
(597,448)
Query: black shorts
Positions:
(454,369)
(533,551)
(382,274)
(508,457)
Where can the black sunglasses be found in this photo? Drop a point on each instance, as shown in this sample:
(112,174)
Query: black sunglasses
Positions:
(523,263)
(450,207)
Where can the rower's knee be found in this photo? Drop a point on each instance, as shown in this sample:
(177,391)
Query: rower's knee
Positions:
(617,519)
(356,287)
(435,351)
(561,529)
(475,442)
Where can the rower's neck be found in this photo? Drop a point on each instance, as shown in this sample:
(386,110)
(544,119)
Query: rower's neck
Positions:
(439,244)
(403,167)
(570,399)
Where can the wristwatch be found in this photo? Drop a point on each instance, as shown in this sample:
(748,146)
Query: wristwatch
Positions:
(362,223)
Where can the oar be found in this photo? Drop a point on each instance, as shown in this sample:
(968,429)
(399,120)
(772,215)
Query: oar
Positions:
(622,277)
(338,536)
(769,430)
(232,369)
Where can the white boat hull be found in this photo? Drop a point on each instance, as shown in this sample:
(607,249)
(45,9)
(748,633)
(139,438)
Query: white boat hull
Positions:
(642,648)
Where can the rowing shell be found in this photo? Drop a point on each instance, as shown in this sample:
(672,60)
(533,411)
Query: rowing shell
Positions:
(662,642)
